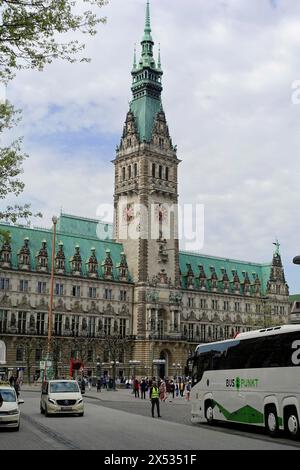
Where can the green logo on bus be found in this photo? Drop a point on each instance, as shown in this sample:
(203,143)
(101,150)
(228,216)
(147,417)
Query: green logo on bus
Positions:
(239,383)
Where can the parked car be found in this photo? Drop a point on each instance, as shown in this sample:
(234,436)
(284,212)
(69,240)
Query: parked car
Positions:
(61,396)
(9,408)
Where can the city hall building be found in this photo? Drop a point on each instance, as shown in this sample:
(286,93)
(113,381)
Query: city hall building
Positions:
(130,280)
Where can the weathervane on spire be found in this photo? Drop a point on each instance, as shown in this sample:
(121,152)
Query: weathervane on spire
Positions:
(277,244)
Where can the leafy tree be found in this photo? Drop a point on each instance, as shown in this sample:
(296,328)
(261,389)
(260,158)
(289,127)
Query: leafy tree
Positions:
(29,345)
(33,33)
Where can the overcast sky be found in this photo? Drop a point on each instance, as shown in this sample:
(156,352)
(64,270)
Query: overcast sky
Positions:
(229,68)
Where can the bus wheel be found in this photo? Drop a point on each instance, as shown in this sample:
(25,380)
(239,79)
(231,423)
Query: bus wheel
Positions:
(292,423)
(271,421)
(209,412)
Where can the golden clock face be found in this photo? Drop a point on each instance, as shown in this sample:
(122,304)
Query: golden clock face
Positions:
(128,213)
(161,212)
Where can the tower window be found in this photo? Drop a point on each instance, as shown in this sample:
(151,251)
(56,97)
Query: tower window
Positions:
(167,173)
(135,169)
(123,174)
(129,171)
(161,142)
(160,172)
(153,170)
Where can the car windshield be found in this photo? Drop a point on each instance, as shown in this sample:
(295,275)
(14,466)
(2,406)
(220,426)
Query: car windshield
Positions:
(8,395)
(64,387)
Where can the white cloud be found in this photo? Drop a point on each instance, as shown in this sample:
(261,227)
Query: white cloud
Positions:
(228,69)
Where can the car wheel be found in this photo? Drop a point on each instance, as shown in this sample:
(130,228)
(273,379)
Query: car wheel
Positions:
(209,412)
(292,424)
(46,412)
(41,409)
(271,421)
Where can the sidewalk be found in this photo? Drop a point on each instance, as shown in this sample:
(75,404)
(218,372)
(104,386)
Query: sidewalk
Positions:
(119,395)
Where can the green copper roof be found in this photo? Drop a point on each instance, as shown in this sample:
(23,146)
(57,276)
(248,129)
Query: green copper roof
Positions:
(220,265)
(294,298)
(85,227)
(145,110)
(66,233)
(146,86)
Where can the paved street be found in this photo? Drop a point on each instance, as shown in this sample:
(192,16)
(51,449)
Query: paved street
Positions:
(116,420)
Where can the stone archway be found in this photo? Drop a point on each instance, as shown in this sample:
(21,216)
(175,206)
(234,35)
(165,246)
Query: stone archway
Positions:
(163,370)
(2,352)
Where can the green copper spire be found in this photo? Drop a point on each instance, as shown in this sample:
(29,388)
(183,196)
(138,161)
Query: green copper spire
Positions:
(147,31)
(146,87)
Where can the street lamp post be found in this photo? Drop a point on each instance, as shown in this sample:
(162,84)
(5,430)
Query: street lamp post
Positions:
(50,321)
(98,368)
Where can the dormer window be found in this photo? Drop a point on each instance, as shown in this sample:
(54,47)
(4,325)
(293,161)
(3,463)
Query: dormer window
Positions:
(123,267)
(60,259)
(93,264)
(108,265)
(24,256)
(42,258)
(76,262)
(5,255)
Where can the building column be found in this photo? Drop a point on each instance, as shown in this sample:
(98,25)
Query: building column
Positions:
(178,320)
(156,320)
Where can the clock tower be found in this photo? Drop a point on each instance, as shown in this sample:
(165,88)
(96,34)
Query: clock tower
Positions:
(146,176)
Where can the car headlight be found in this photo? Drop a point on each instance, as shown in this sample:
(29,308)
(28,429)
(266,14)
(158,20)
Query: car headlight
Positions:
(52,401)
(79,401)
(15,411)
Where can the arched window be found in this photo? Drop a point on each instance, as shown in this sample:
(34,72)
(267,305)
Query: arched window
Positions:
(160,172)
(167,173)
(153,170)
(135,170)
(129,171)
(123,174)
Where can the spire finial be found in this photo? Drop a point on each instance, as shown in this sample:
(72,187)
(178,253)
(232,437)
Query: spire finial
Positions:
(147,30)
(277,244)
(147,23)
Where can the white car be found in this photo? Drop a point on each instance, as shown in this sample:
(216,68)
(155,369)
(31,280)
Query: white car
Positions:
(9,408)
(61,396)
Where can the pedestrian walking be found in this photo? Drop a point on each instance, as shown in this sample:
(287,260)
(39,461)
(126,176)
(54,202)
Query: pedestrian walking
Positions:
(188,390)
(162,391)
(154,397)
(136,388)
(143,387)
(90,383)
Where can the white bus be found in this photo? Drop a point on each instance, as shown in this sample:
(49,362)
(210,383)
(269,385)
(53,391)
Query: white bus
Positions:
(252,379)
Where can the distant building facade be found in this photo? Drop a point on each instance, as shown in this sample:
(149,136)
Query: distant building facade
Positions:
(138,287)
(294,308)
